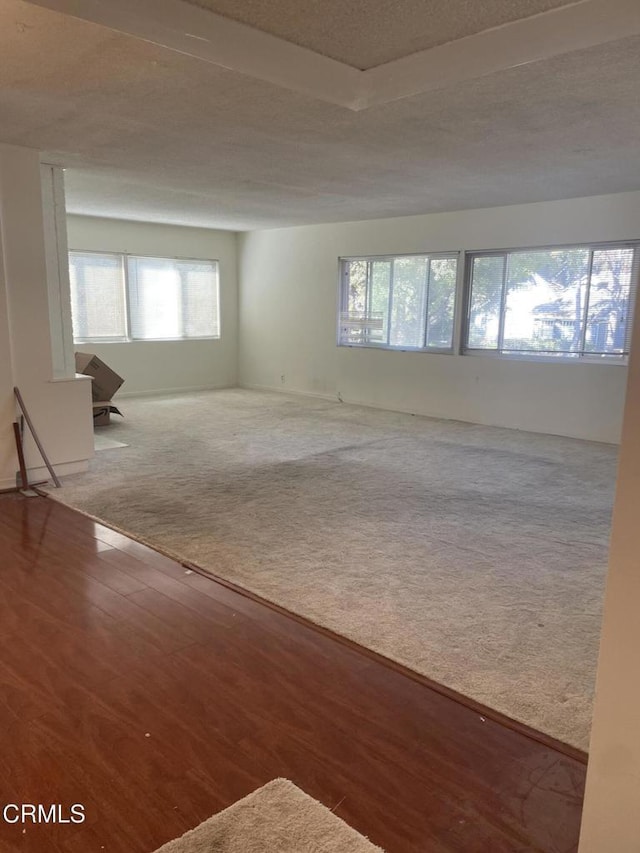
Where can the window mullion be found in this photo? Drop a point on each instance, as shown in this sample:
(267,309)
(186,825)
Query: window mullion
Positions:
(467,291)
(368,300)
(459,330)
(585,311)
(82,297)
(184,300)
(390,310)
(426,306)
(127,296)
(503,303)
(343,301)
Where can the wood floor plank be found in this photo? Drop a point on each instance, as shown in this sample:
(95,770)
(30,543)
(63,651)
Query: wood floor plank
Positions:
(344,717)
(157,697)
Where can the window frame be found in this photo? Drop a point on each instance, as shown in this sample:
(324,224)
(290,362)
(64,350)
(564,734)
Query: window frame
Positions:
(124,258)
(344,260)
(548,357)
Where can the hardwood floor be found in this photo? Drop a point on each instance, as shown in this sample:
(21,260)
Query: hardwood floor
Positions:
(156,697)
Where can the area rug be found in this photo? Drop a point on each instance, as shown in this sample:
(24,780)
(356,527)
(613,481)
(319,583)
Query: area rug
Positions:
(473,555)
(278,818)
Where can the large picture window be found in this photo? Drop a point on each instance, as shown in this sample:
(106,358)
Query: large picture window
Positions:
(116,297)
(572,302)
(404,302)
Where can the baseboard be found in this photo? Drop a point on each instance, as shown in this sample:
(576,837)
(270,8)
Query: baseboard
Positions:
(337,398)
(63,469)
(186,389)
(280,390)
(41,474)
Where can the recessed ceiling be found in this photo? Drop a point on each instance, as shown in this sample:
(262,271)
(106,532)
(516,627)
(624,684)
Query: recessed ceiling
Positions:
(366,33)
(149,133)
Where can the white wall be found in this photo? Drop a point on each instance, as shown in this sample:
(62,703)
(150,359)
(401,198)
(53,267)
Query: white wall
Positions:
(610,815)
(60,410)
(288,311)
(157,366)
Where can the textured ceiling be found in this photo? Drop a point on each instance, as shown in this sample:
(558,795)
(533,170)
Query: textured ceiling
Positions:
(147,133)
(366,33)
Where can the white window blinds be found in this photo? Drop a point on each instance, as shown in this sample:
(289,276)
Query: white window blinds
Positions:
(172,299)
(124,297)
(98,300)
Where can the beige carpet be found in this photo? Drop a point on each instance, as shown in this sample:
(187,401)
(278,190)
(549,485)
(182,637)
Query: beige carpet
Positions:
(278,818)
(474,555)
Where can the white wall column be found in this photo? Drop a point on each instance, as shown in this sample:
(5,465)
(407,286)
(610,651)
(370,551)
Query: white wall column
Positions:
(61,410)
(611,817)
(57,260)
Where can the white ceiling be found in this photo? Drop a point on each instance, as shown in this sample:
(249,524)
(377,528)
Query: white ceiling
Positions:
(366,33)
(149,133)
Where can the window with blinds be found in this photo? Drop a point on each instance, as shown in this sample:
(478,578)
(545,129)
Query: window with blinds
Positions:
(126,297)
(568,302)
(98,297)
(404,302)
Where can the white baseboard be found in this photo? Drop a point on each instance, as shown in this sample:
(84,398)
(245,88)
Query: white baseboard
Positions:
(184,389)
(279,389)
(438,416)
(365,404)
(41,472)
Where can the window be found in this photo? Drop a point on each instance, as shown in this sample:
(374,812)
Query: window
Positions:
(98,297)
(124,297)
(571,302)
(405,302)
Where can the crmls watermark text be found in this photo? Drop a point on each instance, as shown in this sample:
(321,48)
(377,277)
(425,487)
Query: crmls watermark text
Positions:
(39,813)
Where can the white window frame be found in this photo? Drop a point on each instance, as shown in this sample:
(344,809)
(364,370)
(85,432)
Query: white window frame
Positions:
(343,261)
(123,257)
(578,357)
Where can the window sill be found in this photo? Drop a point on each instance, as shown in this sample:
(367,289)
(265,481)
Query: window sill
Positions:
(621,360)
(385,348)
(77,377)
(88,341)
